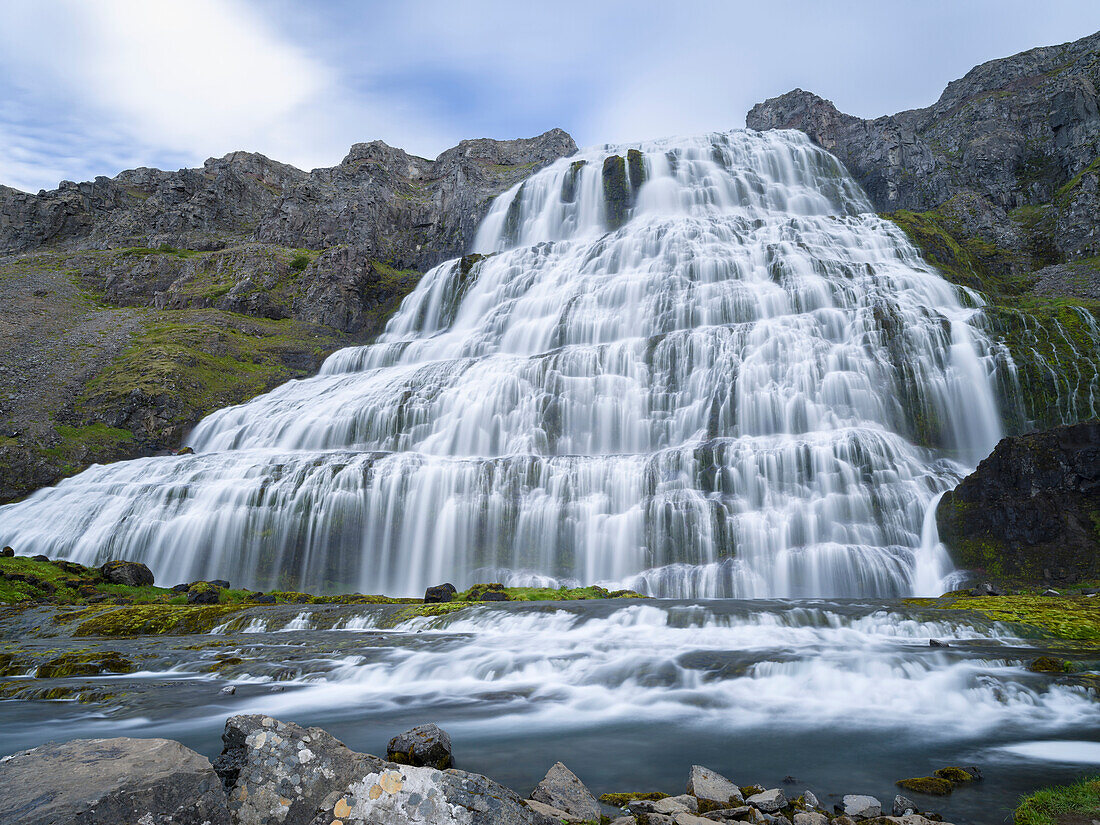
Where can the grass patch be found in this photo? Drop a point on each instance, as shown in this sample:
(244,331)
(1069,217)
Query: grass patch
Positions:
(1049,805)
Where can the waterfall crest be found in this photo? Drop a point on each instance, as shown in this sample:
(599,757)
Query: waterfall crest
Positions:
(697,367)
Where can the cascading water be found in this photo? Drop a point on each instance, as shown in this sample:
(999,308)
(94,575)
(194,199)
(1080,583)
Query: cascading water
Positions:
(699,367)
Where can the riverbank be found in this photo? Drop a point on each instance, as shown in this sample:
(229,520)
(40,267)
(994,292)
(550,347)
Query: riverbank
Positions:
(270,770)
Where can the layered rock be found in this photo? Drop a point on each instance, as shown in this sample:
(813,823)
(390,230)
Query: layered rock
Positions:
(1031,511)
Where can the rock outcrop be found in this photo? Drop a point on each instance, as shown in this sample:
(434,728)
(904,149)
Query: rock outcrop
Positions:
(108,781)
(1030,513)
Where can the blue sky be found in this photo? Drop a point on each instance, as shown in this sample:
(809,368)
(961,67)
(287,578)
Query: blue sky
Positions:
(91,88)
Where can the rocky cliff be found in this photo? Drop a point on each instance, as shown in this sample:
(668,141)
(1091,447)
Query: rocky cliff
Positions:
(998,184)
(134,305)
(1030,513)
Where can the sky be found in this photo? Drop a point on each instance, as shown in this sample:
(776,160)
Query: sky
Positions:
(94,87)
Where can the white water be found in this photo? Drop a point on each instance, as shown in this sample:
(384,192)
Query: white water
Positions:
(753,388)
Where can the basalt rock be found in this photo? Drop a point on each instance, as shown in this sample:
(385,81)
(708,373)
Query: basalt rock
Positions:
(131,573)
(422,746)
(109,781)
(1030,512)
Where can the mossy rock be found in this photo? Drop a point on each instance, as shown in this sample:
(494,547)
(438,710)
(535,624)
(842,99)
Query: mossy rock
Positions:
(85,664)
(619,800)
(1048,664)
(955,775)
(155,619)
(928,785)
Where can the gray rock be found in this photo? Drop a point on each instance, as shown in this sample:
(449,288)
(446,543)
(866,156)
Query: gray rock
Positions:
(810,799)
(561,789)
(439,593)
(711,787)
(722,814)
(675,804)
(688,818)
(810,818)
(554,814)
(423,746)
(904,805)
(403,794)
(859,806)
(131,573)
(623,820)
(279,772)
(110,781)
(769,801)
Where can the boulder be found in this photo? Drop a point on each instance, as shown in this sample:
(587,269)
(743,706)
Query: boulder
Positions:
(810,818)
(7,553)
(111,781)
(422,746)
(723,814)
(279,772)
(688,818)
(768,801)
(439,593)
(553,813)
(859,806)
(130,573)
(561,789)
(400,794)
(203,593)
(494,596)
(986,589)
(712,789)
(40,557)
(903,805)
(810,799)
(676,804)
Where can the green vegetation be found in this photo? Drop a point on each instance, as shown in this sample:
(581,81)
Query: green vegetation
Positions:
(1069,618)
(152,619)
(543,594)
(299,262)
(929,785)
(954,775)
(1078,802)
(81,663)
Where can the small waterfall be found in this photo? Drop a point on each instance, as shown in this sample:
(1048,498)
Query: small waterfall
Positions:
(698,367)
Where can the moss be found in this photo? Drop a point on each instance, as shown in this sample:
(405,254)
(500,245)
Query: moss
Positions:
(544,594)
(1067,803)
(1070,618)
(1066,191)
(160,619)
(954,775)
(930,785)
(76,663)
(299,262)
(616,191)
(1048,664)
(619,800)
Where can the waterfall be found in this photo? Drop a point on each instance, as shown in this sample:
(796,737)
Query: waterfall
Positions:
(697,367)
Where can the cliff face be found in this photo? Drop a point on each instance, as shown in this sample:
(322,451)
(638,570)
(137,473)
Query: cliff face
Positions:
(998,184)
(132,306)
(1030,513)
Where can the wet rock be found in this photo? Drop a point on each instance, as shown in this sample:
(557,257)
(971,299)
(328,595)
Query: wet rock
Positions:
(561,789)
(986,589)
(185,451)
(440,593)
(130,573)
(279,772)
(7,553)
(222,583)
(111,781)
(229,690)
(263,598)
(180,588)
(937,643)
(422,746)
(810,799)
(40,557)
(712,789)
(203,593)
(930,785)
(768,801)
(494,596)
(810,818)
(859,806)
(903,805)
(399,794)
(955,775)
(1050,592)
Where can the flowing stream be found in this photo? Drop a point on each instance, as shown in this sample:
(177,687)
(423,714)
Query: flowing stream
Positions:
(696,367)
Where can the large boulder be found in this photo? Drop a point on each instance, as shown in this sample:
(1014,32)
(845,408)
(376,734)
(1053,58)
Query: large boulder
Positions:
(712,789)
(768,801)
(405,795)
(423,746)
(561,789)
(132,573)
(859,806)
(110,781)
(280,772)
(439,593)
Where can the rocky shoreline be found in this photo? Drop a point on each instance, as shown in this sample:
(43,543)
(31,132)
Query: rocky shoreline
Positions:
(273,771)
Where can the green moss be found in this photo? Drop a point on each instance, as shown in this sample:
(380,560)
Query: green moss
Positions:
(616,191)
(1048,664)
(545,594)
(299,262)
(76,663)
(1070,618)
(930,785)
(1066,191)
(1067,803)
(619,800)
(954,775)
(160,619)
